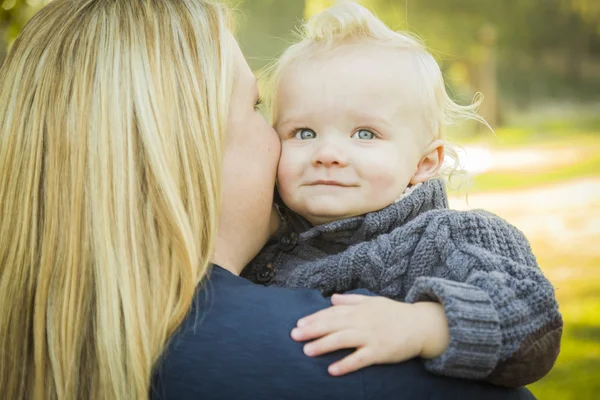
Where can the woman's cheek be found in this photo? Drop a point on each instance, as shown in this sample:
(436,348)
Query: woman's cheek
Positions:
(288,174)
(272,144)
(276,147)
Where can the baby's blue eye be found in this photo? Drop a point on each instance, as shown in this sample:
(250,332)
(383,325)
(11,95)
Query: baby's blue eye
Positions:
(363,134)
(305,134)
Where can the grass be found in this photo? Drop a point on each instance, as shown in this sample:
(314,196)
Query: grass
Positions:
(579,132)
(574,269)
(576,373)
(542,128)
(588,166)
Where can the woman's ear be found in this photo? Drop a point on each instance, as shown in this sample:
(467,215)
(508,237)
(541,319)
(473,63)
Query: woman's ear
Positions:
(430,163)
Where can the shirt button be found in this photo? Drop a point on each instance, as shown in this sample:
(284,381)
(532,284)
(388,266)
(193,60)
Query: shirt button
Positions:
(266,273)
(288,242)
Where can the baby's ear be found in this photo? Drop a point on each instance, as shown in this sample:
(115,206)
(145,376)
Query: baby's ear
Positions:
(430,163)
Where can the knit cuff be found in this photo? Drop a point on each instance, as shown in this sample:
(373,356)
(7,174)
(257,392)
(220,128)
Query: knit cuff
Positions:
(475,332)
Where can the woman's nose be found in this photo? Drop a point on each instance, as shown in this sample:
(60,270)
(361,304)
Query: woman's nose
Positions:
(329,155)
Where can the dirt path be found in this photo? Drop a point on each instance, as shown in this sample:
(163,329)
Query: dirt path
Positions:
(480,159)
(566,213)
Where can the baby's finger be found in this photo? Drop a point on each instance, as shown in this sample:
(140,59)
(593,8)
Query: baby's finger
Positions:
(317,328)
(361,358)
(340,314)
(346,339)
(348,299)
(307,333)
(324,314)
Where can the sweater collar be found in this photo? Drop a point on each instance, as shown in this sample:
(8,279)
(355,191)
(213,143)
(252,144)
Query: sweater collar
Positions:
(429,196)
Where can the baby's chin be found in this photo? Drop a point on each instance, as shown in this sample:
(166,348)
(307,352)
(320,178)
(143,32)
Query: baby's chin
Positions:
(322,208)
(321,214)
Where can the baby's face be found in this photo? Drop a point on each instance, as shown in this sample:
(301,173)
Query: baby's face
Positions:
(352,129)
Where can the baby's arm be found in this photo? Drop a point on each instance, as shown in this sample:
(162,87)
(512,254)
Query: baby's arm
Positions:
(503,317)
(380,330)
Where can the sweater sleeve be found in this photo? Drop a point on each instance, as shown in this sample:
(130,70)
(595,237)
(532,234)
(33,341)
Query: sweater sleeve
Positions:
(504,323)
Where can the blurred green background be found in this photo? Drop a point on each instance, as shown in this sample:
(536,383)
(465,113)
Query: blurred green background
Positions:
(537,62)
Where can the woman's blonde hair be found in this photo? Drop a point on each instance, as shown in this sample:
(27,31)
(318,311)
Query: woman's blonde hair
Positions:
(346,24)
(112,121)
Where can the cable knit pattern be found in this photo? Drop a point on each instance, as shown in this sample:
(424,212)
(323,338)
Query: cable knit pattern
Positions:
(502,313)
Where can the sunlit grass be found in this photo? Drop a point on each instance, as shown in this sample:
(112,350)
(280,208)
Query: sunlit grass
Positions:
(530,130)
(587,166)
(580,133)
(577,281)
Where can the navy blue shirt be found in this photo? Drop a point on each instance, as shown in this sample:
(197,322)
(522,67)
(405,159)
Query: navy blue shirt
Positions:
(235,344)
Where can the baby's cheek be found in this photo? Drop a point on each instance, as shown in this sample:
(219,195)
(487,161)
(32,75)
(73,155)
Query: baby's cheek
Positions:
(284,170)
(386,187)
(382,180)
(286,176)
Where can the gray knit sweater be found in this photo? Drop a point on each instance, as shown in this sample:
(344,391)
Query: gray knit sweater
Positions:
(504,323)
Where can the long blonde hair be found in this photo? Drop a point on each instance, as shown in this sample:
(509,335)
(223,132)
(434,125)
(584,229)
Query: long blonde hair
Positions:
(348,23)
(112,120)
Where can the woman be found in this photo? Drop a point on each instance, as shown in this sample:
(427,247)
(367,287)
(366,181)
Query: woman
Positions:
(131,156)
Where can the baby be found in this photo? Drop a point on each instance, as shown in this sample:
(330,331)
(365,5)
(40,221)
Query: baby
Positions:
(360,110)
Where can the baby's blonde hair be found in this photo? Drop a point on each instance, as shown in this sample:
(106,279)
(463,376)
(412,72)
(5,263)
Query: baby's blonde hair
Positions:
(348,23)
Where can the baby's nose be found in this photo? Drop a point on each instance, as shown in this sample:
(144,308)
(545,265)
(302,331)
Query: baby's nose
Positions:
(329,155)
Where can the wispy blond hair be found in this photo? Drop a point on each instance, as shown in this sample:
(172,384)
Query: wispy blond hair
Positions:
(112,121)
(348,23)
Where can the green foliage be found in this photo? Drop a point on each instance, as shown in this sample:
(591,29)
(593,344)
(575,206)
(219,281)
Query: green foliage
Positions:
(266,28)
(545,48)
(14,14)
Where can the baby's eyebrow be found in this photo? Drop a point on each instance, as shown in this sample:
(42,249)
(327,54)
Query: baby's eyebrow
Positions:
(293,120)
(371,119)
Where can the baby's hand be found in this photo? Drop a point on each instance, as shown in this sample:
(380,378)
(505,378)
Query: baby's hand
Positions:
(382,331)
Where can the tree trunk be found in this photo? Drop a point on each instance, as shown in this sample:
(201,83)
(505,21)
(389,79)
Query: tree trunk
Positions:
(487,76)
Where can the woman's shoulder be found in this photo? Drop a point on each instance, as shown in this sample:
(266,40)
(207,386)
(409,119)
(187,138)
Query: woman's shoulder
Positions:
(224,290)
(228,297)
(239,332)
